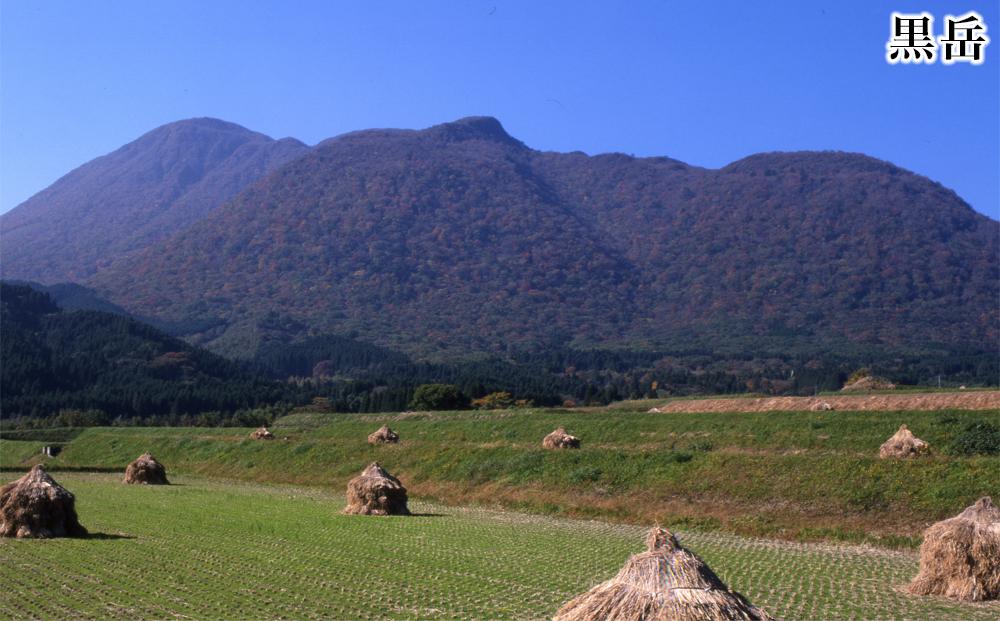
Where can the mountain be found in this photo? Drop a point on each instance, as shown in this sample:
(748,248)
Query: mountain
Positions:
(131,198)
(459,240)
(436,235)
(780,248)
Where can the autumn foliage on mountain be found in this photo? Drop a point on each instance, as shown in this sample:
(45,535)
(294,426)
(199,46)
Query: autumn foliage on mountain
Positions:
(459,239)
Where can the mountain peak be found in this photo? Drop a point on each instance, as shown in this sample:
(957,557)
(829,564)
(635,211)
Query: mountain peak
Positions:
(160,182)
(814,162)
(207,122)
(204,127)
(474,128)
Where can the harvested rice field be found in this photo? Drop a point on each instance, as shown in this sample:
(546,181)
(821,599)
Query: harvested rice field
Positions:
(212,549)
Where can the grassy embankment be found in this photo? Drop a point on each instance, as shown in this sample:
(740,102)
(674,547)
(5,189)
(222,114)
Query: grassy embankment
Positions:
(796,475)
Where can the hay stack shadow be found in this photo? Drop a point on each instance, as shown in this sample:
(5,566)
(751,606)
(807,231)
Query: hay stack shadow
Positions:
(559,439)
(665,583)
(145,470)
(261,433)
(903,444)
(384,435)
(960,556)
(36,506)
(376,492)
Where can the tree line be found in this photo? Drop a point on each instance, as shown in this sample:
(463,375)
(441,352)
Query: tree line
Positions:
(98,368)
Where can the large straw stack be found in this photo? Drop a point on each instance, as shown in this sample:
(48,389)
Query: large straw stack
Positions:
(960,556)
(665,583)
(36,506)
(903,444)
(383,435)
(559,439)
(261,433)
(146,471)
(376,492)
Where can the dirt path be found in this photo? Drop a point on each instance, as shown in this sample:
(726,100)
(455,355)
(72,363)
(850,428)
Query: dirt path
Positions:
(977,400)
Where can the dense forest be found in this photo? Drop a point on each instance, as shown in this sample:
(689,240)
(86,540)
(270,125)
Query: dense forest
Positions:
(93,367)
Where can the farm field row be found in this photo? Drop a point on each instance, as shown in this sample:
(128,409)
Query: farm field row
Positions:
(205,548)
(792,475)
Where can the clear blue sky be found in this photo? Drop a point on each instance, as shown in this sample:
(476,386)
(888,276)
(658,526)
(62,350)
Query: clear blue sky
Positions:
(706,83)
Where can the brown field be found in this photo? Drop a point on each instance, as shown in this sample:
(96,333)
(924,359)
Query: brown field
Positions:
(972,400)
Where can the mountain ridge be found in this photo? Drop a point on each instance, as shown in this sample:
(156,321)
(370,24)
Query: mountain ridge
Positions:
(459,239)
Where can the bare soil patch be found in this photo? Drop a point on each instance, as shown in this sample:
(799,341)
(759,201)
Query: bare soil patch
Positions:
(978,400)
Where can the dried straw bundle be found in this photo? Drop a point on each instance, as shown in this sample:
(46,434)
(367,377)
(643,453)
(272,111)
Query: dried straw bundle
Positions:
(559,439)
(666,583)
(261,433)
(146,471)
(960,556)
(376,492)
(36,506)
(903,444)
(383,435)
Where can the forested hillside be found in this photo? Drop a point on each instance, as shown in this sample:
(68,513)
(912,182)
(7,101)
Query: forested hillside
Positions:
(459,239)
(458,243)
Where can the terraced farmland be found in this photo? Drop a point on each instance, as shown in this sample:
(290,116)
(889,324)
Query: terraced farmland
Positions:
(215,549)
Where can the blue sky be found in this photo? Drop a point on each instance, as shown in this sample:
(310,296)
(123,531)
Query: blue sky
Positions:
(706,83)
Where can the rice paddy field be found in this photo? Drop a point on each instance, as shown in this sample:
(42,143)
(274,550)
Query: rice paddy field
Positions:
(215,549)
(792,508)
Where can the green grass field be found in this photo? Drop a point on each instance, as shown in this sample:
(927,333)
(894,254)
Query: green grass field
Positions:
(212,549)
(793,475)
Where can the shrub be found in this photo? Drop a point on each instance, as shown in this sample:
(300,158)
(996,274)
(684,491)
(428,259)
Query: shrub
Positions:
(494,401)
(979,438)
(702,446)
(438,397)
